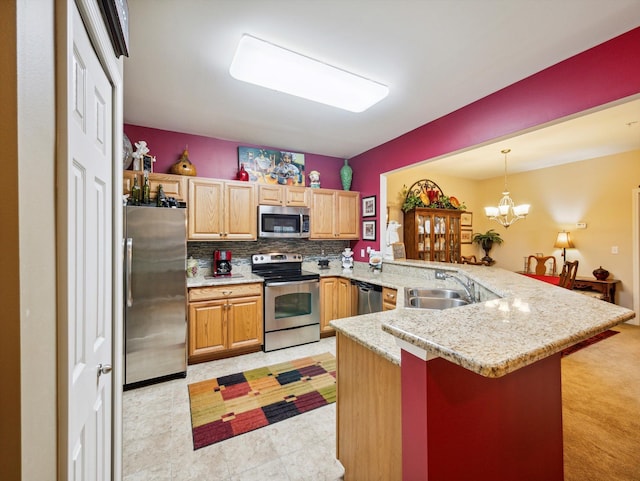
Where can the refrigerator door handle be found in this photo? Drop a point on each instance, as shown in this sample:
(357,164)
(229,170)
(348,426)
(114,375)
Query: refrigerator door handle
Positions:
(129,255)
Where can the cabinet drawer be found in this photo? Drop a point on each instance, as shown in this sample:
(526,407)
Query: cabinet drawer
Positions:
(388,298)
(224,292)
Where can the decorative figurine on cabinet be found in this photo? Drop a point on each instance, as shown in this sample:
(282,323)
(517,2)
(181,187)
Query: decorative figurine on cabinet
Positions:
(138,155)
(314,177)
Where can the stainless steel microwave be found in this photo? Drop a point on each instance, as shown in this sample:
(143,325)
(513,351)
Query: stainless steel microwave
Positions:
(283,222)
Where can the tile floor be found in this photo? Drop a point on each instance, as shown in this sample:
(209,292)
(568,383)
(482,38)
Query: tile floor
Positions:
(157,433)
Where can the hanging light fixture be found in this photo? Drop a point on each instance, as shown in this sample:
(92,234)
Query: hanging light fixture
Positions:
(506,213)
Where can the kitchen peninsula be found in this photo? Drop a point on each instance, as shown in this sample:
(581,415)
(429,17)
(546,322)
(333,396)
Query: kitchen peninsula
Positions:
(480,384)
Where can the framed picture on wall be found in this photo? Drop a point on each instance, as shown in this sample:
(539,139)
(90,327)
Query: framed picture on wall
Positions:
(369,230)
(272,166)
(369,206)
(466,219)
(465,236)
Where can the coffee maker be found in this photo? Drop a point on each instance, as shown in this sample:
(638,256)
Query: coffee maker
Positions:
(221,263)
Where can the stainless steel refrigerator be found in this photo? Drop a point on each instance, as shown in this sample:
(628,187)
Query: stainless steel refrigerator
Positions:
(155,318)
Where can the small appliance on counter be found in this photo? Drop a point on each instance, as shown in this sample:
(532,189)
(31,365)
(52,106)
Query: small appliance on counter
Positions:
(221,263)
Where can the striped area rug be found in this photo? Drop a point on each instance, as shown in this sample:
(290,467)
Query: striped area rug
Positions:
(231,405)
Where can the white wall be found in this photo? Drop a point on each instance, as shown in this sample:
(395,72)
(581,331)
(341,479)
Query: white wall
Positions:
(36,144)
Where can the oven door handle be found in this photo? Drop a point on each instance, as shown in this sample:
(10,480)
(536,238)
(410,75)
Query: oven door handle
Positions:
(290,283)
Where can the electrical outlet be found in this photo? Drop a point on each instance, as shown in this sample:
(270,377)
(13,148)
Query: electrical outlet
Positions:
(614,249)
(581,225)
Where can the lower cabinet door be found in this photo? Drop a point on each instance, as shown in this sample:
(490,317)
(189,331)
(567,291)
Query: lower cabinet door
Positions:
(344,298)
(244,317)
(207,327)
(335,301)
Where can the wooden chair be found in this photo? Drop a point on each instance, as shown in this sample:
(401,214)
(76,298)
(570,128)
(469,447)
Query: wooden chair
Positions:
(541,265)
(568,274)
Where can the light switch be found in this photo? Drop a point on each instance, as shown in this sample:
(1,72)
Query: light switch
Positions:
(361,252)
(614,249)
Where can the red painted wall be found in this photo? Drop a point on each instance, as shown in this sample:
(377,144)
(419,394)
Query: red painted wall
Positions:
(605,73)
(219,158)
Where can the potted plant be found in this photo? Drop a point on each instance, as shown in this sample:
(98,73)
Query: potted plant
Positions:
(486,241)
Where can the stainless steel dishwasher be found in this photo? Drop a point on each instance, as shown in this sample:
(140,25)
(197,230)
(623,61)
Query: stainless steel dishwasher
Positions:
(369,297)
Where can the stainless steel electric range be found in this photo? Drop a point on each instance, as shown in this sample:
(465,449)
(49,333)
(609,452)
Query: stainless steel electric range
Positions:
(291,300)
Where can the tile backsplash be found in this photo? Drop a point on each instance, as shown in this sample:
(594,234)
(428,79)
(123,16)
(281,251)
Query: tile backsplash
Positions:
(242,251)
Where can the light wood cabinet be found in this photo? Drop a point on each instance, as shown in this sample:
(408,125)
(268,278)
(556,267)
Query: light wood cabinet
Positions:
(368,414)
(336,294)
(432,234)
(221,210)
(335,214)
(224,321)
(173,185)
(293,196)
(389,298)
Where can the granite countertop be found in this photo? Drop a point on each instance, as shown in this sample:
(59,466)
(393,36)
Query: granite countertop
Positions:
(519,320)
(239,275)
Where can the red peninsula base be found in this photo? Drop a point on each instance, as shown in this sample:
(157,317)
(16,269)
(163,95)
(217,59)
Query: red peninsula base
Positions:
(460,426)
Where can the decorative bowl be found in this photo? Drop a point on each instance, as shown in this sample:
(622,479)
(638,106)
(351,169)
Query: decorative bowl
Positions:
(600,273)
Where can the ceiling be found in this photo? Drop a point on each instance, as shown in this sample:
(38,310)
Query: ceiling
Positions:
(435,55)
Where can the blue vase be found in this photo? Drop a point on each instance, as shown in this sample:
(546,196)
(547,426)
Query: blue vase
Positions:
(346,175)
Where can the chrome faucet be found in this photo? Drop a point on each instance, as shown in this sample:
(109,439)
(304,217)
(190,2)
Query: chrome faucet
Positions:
(468,286)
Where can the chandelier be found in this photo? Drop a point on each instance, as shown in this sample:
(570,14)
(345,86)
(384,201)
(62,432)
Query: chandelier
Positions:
(506,213)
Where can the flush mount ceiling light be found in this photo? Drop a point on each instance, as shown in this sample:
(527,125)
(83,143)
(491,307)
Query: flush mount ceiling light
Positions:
(267,65)
(506,213)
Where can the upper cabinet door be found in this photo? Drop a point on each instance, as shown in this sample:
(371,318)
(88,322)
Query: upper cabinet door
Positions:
(270,194)
(206,209)
(173,185)
(222,210)
(296,196)
(322,214)
(347,214)
(283,195)
(241,211)
(335,214)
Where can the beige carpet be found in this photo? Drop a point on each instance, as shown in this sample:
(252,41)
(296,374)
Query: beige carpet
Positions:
(601,409)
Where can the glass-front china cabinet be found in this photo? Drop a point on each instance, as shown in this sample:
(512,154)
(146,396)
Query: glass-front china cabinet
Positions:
(432,234)
(431,223)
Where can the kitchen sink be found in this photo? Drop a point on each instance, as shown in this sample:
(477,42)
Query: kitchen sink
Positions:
(431,292)
(434,302)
